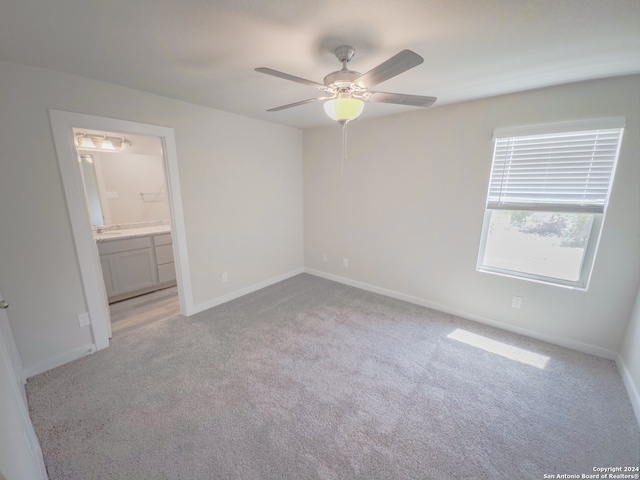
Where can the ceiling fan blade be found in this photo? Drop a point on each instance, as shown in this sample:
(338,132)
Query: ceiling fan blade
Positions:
(293,78)
(397,64)
(401,99)
(302,102)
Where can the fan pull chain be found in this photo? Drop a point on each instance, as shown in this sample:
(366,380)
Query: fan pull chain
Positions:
(344,145)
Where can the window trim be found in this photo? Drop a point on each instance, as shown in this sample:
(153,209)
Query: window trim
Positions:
(561,127)
(588,259)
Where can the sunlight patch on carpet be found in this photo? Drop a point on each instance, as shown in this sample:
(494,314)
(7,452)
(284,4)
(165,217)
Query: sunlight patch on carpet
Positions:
(499,348)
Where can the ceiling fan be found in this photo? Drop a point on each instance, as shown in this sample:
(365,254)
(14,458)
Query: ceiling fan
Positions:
(347,90)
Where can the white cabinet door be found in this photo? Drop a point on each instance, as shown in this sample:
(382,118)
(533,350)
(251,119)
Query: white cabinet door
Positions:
(134,270)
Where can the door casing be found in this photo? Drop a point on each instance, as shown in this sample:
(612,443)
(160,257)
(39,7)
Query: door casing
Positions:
(62,124)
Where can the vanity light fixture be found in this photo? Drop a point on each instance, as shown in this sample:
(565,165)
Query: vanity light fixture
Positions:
(101,142)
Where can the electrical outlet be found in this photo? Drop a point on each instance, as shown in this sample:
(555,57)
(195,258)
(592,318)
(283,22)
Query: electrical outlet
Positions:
(516,302)
(325,258)
(111,195)
(225,277)
(84,320)
(345,262)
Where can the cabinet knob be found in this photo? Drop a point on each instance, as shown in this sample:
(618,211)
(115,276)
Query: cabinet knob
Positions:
(4,304)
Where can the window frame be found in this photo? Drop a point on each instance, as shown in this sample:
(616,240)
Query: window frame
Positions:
(593,241)
(588,259)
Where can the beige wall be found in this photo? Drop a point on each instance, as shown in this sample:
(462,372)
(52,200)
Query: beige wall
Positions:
(408,212)
(241,182)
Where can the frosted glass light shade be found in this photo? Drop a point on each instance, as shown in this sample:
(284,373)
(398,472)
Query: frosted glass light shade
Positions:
(107,145)
(86,142)
(344,109)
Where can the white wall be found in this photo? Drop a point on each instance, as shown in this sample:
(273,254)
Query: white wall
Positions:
(128,175)
(630,357)
(408,212)
(241,182)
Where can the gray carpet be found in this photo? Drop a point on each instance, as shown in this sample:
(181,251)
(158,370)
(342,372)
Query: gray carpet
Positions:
(310,379)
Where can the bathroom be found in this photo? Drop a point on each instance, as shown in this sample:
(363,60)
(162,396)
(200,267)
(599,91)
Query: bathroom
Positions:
(126,192)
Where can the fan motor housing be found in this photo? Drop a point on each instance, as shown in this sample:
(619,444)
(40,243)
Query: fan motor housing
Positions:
(341,78)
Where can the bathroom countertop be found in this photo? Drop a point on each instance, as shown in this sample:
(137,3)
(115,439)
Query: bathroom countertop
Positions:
(131,233)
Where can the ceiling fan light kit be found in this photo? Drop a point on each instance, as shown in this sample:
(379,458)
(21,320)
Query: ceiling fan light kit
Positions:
(348,84)
(344,108)
(348,90)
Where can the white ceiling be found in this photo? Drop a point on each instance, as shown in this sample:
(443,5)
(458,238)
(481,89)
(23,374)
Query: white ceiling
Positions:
(205,51)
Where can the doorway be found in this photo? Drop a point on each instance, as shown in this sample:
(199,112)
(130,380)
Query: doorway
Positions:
(63,125)
(126,192)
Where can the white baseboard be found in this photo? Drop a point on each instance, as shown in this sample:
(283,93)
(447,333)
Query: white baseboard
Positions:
(560,341)
(244,291)
(58,360)
(632,390)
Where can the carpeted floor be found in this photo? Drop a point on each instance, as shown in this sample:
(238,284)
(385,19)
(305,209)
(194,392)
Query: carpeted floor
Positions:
(310,379)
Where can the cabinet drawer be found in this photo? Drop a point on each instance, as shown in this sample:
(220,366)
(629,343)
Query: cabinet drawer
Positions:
(164,254)
(164,239)
(166,272)
(126,244)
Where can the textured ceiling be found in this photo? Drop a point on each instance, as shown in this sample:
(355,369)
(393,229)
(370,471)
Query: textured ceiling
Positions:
(205,51)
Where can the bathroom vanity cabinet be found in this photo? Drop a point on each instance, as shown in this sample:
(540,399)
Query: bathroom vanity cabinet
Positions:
(136,265)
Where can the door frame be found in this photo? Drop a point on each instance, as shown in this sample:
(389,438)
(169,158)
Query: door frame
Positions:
(62,125)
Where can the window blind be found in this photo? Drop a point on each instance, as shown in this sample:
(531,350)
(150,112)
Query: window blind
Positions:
(570,171)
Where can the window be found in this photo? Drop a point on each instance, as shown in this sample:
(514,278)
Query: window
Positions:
(547,198)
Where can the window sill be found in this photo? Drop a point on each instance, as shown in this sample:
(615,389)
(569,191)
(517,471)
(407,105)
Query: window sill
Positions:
(525,277)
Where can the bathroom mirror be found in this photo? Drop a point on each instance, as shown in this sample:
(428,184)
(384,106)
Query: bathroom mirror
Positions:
(91,190)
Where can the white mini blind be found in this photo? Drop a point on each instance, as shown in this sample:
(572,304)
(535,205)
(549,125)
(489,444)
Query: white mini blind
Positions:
(570,171)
